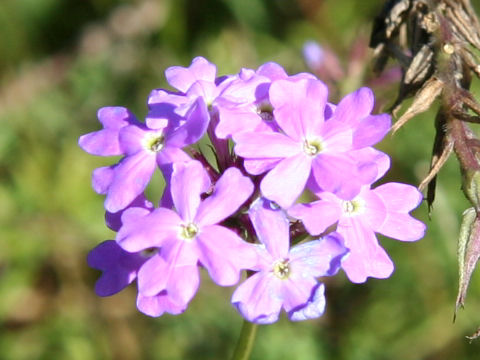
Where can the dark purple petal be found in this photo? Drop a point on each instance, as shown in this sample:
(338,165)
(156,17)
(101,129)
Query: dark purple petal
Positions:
(189,181)
(286,181)
(119,267)
(224,254)
(224,202)
(257,298)
(131,177)
(271,226)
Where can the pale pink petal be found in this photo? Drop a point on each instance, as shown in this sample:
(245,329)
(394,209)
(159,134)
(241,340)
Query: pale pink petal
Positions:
(256,298)
(355,106)
(299,106)
(224,202)
(189,181)
(271,226)
(366,258)
(141,232)
(131,177)
(158,305)
(402,227)
(314,308)
(265,145)
(224,254)
(153,276)
(259,166)
(182,78)
(316,258)
(284,183)
(316,216)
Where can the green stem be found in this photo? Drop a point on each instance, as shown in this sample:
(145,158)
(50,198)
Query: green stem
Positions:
(245,341)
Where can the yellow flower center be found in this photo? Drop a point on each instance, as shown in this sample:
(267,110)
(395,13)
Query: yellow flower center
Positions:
(189,231)
(281,269)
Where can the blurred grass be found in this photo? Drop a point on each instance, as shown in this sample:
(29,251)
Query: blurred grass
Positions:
(63,59)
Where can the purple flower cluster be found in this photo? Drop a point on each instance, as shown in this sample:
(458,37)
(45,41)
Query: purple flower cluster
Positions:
(276,141)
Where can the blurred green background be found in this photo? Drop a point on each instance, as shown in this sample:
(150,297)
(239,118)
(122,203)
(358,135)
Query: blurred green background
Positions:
(60,60)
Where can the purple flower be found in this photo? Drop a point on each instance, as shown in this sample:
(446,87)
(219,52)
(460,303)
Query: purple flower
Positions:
(119,267)
(190,236)
(286,278)
(383,210)
(144,149)
(308,146)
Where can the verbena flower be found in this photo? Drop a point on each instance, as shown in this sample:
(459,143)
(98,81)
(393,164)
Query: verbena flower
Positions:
(286,278)
(313,143)
(285,130)
(190,235)
(144,149)
(384,209)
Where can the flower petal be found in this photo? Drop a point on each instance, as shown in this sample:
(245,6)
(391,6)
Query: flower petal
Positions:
(299,106)
(153,276)
(224,254)
(316,258)
(286,181)
(224,202)
(102,178)
(316,216)
(371,130)
(257,298)
(271,226)
(254,145)
(197,120)
(158,305)
(355,106)
(140,232)
(119,267)
(314,308)
(182,78)
(337,174)
(189,181)
(366,258)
